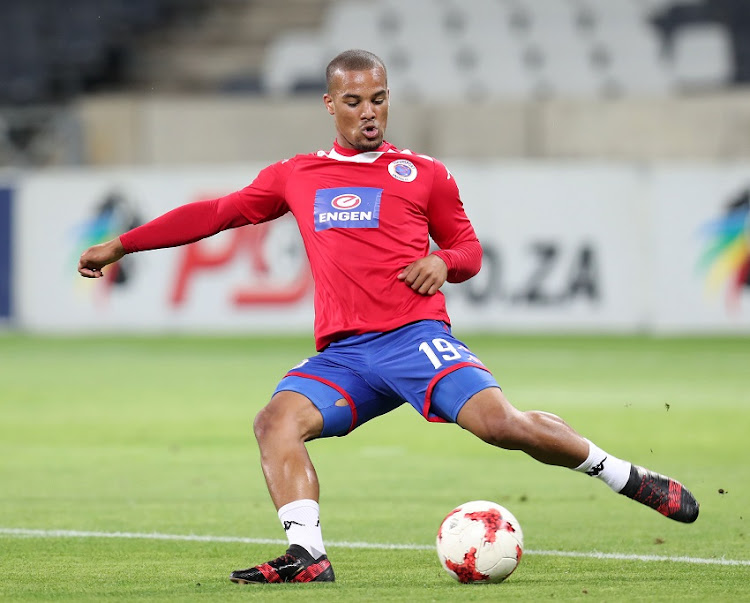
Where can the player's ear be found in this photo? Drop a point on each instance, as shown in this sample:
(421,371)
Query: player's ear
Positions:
(328,101)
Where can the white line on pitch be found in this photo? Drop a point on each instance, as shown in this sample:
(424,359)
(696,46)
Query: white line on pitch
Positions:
(26,533)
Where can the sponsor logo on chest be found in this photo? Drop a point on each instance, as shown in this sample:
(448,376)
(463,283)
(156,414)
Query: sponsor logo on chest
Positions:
(347,207)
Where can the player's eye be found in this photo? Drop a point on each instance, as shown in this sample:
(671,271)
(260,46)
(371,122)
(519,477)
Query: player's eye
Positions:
(379,101)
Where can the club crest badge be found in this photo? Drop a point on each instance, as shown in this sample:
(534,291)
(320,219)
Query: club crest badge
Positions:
(402,169)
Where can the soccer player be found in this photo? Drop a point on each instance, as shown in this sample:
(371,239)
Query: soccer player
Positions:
(366,211)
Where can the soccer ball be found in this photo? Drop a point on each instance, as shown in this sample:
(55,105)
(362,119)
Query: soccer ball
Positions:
(480,541)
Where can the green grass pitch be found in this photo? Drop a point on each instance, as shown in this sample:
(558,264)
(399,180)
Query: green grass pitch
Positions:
(151,437)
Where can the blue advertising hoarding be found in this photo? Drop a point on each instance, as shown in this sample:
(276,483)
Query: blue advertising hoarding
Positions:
(6,250)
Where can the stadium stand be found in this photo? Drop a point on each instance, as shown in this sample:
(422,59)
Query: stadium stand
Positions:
(453,50)
(449,49)
(446,52)
(53,50)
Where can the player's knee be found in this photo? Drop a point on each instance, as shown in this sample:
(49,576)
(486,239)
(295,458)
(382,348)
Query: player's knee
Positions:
(490,417)
(519,430)
(506,431)
(504,427)
(287,417)
(263,423)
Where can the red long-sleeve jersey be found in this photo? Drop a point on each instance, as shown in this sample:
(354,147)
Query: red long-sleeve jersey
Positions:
(363,217)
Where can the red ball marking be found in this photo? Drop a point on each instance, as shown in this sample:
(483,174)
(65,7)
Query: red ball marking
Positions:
(467,570)
(493,523)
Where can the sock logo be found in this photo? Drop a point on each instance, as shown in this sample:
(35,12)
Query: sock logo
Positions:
(596,469)
(288,524)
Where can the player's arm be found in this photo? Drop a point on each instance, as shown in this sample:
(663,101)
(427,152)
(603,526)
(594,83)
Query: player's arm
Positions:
(451,229)
(259,202)
(180,226)
(460,254)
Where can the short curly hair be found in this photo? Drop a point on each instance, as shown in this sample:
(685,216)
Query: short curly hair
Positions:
(354,60)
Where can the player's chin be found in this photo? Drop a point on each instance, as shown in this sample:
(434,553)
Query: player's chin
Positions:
(369,144)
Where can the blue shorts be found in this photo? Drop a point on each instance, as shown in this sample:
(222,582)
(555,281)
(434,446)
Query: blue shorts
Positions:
(365,376)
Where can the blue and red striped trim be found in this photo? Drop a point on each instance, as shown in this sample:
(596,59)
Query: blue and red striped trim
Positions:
(434,382)
(344,393)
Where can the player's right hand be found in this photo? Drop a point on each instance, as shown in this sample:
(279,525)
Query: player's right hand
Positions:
(98,256)
(425,275)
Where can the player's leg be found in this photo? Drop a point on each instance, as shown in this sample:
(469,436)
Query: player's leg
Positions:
(281,428)
(459,389)
(323,397)
(541,435)
(547,438)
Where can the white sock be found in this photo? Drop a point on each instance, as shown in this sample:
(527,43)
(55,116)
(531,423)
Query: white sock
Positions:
(301,521)
(612,471)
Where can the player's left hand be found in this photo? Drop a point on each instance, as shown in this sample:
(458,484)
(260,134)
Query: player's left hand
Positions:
(425,275)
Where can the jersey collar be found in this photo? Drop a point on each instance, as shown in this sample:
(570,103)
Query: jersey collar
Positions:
(341,154)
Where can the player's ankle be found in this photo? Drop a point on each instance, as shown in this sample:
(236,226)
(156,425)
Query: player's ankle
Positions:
(611,470)
(301,521)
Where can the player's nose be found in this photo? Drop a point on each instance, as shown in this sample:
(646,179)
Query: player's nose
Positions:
(368,111)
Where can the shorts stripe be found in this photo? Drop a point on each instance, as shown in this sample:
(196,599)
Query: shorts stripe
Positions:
(331,384)
(434,382)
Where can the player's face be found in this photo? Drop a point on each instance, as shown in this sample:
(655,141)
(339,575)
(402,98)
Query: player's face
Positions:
(358,101)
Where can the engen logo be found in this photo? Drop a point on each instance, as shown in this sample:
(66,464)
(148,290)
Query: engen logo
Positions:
(346,201)
(347,207)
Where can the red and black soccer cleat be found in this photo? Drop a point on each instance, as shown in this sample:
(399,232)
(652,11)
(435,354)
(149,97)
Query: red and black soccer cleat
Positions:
(669,497)
(296,565)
